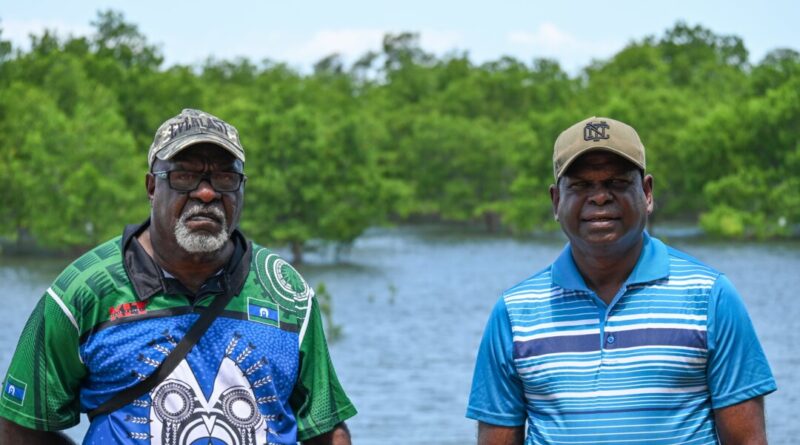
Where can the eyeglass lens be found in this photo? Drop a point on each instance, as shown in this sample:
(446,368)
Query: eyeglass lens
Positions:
(221,181)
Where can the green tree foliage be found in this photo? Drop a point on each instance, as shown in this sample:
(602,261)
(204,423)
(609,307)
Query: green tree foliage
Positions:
(62,136)
(398,135)
(314,177)
(751,186)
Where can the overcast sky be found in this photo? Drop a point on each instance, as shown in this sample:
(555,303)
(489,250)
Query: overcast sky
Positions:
(302,32)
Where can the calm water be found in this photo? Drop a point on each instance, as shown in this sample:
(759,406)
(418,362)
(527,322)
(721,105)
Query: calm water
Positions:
(412,304)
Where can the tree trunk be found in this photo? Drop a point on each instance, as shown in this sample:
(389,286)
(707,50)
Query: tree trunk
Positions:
(24,239)
(297,252)
(492,221)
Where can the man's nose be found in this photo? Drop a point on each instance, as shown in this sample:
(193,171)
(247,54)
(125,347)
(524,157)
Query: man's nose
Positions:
(600,195)
(204,192)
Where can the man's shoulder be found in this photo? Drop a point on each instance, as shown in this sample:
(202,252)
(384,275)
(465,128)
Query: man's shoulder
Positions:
(100,269)
(281,281)
(541,281)
(683,263)
(94,280)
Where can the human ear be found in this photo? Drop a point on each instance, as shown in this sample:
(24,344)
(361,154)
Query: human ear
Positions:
(647,188)
(150,186)
(555,199)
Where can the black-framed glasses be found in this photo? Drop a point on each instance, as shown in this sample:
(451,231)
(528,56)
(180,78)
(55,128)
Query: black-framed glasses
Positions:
(186,181)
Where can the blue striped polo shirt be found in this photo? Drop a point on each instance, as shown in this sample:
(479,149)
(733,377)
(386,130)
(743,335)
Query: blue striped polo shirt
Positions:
(674,344)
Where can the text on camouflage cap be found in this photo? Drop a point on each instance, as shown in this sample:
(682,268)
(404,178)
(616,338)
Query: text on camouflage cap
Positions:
(192,127)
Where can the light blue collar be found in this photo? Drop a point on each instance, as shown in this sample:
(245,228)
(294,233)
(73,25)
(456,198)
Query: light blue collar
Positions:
(652,265)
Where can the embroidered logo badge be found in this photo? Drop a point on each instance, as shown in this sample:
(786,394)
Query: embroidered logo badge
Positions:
(14,390)
(594,131)
(127,310)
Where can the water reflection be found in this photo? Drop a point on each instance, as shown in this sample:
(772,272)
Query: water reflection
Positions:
(412,303)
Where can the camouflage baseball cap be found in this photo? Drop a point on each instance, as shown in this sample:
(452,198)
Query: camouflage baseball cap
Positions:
(597,133)
(192,127)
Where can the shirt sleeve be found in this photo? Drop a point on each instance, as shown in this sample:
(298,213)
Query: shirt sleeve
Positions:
(737,369)
(497,395)
(41,388)
(318,400)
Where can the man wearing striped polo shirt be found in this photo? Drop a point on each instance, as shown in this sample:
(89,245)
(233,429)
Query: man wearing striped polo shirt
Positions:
(621,340)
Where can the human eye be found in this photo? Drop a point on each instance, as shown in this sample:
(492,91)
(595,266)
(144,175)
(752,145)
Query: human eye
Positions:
(183,180)
(226,176)
(578,185)
(619,183)
(182,176)
(225,180)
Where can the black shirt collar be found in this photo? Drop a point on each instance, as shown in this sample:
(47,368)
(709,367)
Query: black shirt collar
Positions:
(148,279)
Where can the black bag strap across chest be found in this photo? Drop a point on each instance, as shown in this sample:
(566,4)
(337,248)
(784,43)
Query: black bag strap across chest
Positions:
(173,359)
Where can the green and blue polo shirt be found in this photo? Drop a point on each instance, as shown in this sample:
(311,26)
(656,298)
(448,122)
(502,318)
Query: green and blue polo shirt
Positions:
(260,374)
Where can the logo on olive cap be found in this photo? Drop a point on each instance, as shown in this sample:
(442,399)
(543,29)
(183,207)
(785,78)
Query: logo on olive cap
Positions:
(597,133)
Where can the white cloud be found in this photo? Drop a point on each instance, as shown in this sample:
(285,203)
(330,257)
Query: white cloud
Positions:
(348,43)
(18,31)
(351,44)
(440,41)
(547,36)
(550,41)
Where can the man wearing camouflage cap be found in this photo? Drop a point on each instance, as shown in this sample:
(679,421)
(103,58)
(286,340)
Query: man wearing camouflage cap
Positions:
(622,339)
(181,331)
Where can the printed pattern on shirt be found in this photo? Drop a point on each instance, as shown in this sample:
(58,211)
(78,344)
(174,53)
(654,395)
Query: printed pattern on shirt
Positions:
(636,373)
(90,338)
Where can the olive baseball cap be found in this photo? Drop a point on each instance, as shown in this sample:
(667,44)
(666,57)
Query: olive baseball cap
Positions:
(192,127)
(597,133)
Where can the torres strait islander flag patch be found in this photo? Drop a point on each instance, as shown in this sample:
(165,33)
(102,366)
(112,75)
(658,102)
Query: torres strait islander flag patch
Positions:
(14,390)
(263,311)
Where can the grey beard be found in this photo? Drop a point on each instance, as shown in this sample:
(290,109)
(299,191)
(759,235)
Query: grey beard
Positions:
(200,242)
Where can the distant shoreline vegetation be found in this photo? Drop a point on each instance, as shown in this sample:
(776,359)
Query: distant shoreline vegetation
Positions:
(400,135)
(328,251)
